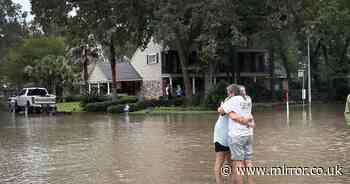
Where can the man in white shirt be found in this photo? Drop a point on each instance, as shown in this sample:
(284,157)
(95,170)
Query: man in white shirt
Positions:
(240,132)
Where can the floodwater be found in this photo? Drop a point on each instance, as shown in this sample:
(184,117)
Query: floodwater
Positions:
(98,148)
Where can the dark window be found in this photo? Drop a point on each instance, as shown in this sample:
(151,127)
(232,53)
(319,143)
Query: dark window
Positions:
(152,58)
(37,92)
(170,62)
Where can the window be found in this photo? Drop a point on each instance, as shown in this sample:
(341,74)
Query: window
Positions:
(37,92)
(152,58)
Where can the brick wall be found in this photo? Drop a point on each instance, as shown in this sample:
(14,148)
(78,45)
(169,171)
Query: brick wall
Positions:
(152,88)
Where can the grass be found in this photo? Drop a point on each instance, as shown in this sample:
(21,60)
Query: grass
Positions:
(175,110)
(69,107)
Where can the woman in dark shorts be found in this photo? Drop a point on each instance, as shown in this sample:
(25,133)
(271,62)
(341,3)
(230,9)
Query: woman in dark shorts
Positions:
(222,151)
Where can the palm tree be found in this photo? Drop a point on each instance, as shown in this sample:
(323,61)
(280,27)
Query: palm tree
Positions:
(85,55)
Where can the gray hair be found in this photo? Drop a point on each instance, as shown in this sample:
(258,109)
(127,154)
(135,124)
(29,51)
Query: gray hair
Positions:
(242,91)
(232,89)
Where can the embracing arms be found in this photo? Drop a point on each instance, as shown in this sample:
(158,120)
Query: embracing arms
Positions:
(249,121)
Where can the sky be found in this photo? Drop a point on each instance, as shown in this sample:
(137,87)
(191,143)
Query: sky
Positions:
(26,7)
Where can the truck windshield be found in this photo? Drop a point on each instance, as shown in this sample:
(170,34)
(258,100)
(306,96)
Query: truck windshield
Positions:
(37,92)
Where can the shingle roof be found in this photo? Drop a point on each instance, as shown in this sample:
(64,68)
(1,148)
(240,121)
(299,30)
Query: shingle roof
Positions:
(125,72)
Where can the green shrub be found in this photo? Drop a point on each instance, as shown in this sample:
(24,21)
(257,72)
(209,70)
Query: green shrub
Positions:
(74,98)
(100,106)
(215,95)
(137,106)
(116,109)
(93,99)
(164,102)
(127,99)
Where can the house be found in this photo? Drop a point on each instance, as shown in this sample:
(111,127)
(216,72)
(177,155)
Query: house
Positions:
(159,66)
(100,78)
(151,69)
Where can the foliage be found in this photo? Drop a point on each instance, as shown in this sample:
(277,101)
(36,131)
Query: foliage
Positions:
(212,28)
(119,26)
(216,95)
(52,72)
(101,106)
(116,109)
(69,107)
(13,29)
(27,54)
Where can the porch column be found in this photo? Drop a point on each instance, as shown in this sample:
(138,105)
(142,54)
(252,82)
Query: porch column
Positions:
(171,82)
(108,89)
(98,89)
(193,85)
(89,88)
(214,80)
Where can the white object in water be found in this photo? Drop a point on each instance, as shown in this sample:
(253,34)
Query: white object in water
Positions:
(126,108)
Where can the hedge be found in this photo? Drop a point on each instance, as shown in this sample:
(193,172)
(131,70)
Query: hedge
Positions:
(133,106)
(116,109)
(103,106)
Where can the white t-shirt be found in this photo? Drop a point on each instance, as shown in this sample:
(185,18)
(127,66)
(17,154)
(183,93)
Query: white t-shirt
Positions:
(243,107)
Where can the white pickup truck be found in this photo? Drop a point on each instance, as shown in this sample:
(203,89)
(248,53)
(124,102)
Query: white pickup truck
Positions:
(34,99)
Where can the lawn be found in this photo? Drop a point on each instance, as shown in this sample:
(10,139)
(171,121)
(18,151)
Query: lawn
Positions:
(69,107)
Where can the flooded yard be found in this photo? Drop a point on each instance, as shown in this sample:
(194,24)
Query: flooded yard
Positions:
(173,149)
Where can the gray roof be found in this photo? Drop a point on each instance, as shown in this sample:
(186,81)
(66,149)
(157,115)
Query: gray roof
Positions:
(102,72)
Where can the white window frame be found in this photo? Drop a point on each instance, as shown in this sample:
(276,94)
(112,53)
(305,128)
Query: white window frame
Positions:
(152,58)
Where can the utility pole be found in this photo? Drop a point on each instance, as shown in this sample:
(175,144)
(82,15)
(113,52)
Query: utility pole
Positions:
(309,68)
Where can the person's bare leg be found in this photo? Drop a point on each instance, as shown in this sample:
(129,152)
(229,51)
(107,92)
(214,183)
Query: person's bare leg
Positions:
(219,160)
(249,164)
(238,176)
(228,158)
(229,162)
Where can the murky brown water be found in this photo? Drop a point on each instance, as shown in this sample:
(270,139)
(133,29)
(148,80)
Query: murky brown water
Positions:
(94,148)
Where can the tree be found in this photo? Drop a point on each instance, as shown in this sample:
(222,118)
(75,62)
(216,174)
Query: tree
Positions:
(12,31)
(113,23)
(178,24)
(26,54)
(52,72)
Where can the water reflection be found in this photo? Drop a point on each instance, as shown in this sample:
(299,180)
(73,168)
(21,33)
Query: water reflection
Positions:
(98,148)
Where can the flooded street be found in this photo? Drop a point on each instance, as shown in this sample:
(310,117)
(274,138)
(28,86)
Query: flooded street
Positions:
(173,149)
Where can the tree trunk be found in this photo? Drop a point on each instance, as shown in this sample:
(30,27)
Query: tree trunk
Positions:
(85,71)
(184,62)
(285,63)
(329,83)
(208,77)
(314,64)
(283,55)
(113,67)
(345,50)
(272,73)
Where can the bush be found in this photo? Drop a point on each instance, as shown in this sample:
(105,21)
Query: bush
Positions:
(74,98)
(215,95)
(93,99)
(120,108)
(116,109)
(138,106)
(102,106)
(127,99)
(175,101)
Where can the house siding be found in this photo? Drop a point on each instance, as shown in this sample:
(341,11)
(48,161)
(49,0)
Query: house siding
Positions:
(152,85)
